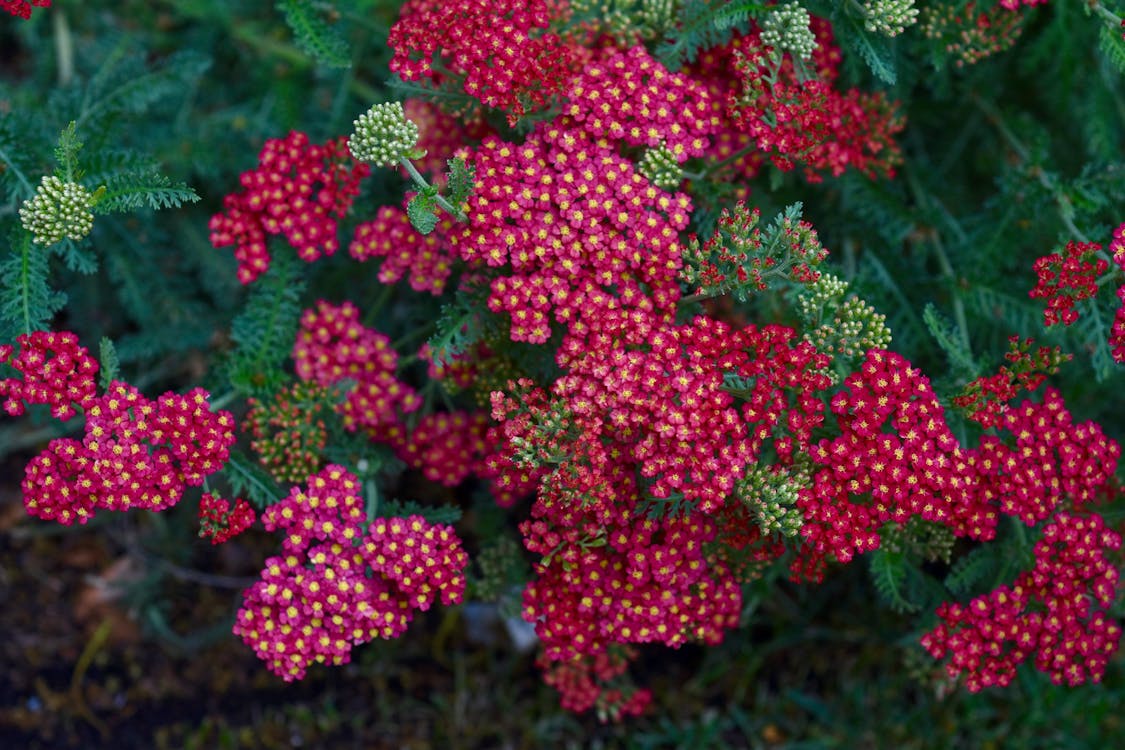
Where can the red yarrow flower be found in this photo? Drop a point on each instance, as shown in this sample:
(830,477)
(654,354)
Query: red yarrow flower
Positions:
(22,8)
(220,522)
(54,370)
(1066,278)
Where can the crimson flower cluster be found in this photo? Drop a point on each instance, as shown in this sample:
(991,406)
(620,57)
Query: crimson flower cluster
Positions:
(22,8)
(1067,277)
(54,370)
(499,52)
(811,122)
(986,399)
(1117,332)
(220,522)
(333,346)
(425,259)
(136,453)
(446,446)
(587,682)
(919,469)
(342,581)
(1054,612)
(298,191)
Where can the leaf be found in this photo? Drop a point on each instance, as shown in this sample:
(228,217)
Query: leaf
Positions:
(461,178)
(873,48)
(131,191)
(1112,46)
(249,479)
(76,257)
(888,572)
(696,29)
(66,152)
(110,366)
(979,565)
(26,299)
(448,514)
(942,332)
(263,333)
(315,35)
(420,211)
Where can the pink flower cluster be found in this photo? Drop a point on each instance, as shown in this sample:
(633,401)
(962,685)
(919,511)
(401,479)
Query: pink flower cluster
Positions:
(332,346)
(298,191)
(340,581)
(919,469)
(628,97)
(54,370)
(811,122)
(499,52)
(1066,278)
(22,8)
(219,522)
(1117,332)
(570,222)
(586,682)
(136,453)
(986,399)
(425,258)
(446,446)
(1054,612)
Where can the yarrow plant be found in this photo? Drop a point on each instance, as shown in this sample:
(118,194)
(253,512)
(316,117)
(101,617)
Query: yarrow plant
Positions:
(673,289)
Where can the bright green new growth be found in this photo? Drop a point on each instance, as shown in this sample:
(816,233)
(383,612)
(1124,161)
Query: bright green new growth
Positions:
(845,326)
(890,17)
(786,29)
(58,210)
(383,136)
(660,167)
(771,495)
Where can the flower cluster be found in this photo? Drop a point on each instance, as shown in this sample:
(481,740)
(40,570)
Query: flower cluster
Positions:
(498,52)
(339,584)
(287,432)
(136,453)
(447,447)
(986,399)
(1117,332)
(425,259)
(22,8)
(809,122)
(333,346)
(1066,278)
(970,34)
(1054,612)
(298,191)
(572,220)
(889,17)
(55,370)
(219,522)
(57,210)
(383,136)
(586,682)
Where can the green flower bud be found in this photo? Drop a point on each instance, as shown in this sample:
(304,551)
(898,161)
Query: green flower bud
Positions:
(383,136)
(660,167)
(57,210)
(786,29)
(890,17)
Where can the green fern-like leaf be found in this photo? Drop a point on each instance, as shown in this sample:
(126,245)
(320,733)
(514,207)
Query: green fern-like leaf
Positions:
(314,34)
(126,84)
(461,324)
(27,302)
(248,479)
(132,191)
(77,256)
(263,333)
(695,29)
(888,572)
(737,13)
(110,365)
(421,210)
(960,358)
(1112,46)
(974,569)
(874,48)
(400,508)
(461,177)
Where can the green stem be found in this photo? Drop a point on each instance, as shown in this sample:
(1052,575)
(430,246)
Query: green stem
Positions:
(380,302)
(414,335)
(371,491)
(64,46)
(421,182)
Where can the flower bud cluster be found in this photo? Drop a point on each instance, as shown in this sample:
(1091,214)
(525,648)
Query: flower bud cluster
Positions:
(889,17)
(58,210)
(337,584)
(838,325)
(382,136)
(969,35)
(786,29)
(771,495)
(659,166)
(287,432)
(219,522)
